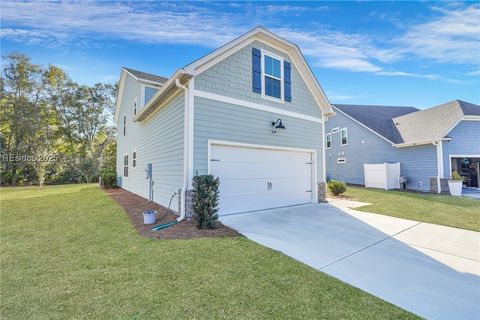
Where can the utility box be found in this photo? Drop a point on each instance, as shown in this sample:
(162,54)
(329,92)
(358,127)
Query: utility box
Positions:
(382,175)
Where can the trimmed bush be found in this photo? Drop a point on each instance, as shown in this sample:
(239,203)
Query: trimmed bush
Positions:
(109,179)
(205,201)
(337,187)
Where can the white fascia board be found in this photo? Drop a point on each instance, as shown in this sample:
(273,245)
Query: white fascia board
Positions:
(118,100)
(142,79)
(252,105)
(161,91)
(471,118)
(416,143)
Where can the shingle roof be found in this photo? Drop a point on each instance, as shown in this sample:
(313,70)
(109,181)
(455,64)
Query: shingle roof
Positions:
(377,118)
(469,109)
(146,76)
(434,123)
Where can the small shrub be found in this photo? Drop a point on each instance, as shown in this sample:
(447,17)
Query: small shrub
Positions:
(109,179)
(337,187)
(205,201)
(456,176)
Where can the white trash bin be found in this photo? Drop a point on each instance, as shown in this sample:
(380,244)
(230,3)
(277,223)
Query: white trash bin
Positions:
(149,216)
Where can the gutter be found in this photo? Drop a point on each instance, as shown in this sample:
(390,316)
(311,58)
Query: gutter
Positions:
(419,143)
(185,150)
(166,91)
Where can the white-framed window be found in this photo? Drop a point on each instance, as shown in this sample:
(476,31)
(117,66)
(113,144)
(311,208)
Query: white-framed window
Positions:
(134,159)
(343,137)
(335,130)
(148,91)
(341,160)
(125,166)
(124,124)
(135,106)
(272,76)
(328,140)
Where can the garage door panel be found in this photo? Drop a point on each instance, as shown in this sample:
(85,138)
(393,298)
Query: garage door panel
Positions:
(236,170)
(254,179)
(252,202)
(247,186)
(246,155)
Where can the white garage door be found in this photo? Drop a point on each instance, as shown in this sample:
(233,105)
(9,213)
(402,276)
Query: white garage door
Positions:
(255,179)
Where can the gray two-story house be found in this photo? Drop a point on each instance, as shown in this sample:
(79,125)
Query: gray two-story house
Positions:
(251,113)
(427,144)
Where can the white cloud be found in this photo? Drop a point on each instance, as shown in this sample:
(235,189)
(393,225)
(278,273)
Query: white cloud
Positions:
(408,74)
(77,19)
(451,38)
(334,97)
(474,73)
(454,37)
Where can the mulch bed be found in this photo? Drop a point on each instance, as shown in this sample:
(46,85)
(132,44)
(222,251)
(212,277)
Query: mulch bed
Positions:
(134,206)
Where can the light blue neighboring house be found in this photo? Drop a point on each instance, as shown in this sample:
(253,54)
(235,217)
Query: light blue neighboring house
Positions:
(429,144)
(251,113)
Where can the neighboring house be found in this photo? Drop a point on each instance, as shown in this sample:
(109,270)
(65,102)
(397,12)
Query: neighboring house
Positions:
(429,144)
(250,112)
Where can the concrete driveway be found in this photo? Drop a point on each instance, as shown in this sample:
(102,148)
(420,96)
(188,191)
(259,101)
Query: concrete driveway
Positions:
(430,270)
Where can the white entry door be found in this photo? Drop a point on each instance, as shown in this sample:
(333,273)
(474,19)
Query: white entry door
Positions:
(255,178)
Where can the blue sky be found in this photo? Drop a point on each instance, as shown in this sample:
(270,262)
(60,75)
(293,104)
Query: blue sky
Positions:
(391,53)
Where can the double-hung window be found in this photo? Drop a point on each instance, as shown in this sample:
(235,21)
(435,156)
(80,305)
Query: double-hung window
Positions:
(134,159)
(125,165)
(344,136)
(124,124)
(272,76)
(328,140)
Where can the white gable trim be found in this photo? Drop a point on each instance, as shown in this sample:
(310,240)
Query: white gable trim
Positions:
(270,39)
(142,79)
(363,125)
(121,87)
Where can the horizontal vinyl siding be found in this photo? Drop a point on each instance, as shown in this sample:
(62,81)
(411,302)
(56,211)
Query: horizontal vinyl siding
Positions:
(158,140)
(222,121)
(418,163)
(465,141)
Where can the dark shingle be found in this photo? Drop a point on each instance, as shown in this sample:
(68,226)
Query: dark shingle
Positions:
(146,76)
(469,109)
(377,118)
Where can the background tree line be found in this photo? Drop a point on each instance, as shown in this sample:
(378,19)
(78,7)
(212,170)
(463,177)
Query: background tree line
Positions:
(58,130)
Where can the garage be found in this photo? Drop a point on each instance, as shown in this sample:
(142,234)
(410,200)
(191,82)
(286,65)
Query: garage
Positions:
(262,177)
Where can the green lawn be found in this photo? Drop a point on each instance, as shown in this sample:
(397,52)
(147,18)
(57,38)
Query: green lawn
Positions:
(459,212)
(71,252)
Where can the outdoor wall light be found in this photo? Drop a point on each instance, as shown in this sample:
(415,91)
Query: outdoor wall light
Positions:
(278,125)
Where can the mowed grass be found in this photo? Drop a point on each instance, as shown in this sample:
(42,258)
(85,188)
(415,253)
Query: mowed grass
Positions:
(70,252)
(458,212)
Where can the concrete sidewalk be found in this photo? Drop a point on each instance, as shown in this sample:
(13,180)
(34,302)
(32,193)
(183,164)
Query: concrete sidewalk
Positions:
(431,270)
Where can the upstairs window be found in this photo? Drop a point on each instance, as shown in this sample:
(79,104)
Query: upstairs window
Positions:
(125,165)
(124,124)
(344,136)
(148,93)
(272,76)
(134,159)
(328,140)
(135,106)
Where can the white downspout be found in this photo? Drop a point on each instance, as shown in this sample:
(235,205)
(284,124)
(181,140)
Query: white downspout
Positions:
(439,146)
(185,150)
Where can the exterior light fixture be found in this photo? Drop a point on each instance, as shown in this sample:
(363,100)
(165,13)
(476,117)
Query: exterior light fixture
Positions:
(277,125)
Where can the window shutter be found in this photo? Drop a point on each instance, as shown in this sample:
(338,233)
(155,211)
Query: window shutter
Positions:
(287,74)
(256,70)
